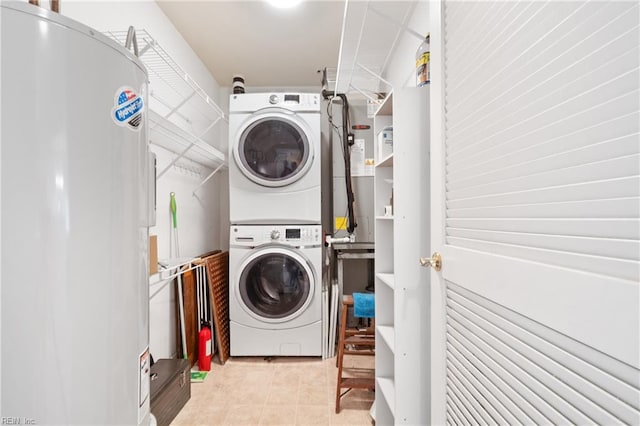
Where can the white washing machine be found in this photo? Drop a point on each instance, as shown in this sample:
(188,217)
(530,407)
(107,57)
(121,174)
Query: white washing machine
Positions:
(275,280)
(274,165)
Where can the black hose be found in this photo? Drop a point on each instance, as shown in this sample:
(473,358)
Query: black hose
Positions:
(347,141)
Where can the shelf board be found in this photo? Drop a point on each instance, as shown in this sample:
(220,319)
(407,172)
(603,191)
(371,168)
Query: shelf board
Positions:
(386,107)
(386,161)
(388,279)
(388,336)
(384,218)
(387,388)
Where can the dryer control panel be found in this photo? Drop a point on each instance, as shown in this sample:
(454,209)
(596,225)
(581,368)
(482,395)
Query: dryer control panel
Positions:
(252,102)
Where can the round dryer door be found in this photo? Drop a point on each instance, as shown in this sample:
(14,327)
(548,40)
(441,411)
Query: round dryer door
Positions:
(276,285)
(274,150)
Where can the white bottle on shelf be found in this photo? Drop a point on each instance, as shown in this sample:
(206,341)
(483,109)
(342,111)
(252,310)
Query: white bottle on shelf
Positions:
(423,76)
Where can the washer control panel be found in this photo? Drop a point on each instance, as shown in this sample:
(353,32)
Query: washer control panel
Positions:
(296,235)
(293,235)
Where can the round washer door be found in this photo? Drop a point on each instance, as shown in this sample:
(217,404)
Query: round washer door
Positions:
(274,150)
(275,285)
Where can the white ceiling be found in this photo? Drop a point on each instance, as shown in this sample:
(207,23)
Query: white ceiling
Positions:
(270,47)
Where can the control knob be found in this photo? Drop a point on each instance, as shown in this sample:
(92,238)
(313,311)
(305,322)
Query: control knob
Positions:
(275,234)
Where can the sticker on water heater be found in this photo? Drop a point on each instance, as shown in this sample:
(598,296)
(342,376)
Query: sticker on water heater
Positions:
(128,108)
(144,384)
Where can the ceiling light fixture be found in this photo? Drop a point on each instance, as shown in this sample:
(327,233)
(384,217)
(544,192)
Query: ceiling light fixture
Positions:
(283,4)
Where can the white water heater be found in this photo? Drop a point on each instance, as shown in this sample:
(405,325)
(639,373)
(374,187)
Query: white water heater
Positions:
(74,224)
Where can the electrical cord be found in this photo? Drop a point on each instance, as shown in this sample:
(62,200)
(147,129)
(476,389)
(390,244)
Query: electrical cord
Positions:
(336,129)
(346,143)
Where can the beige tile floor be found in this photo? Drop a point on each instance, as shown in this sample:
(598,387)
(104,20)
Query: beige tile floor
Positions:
(280,391)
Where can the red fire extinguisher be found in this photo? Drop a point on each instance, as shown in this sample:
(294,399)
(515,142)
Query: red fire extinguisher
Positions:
(204,347)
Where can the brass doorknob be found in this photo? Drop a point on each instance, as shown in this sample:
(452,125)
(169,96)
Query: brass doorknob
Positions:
(435,261)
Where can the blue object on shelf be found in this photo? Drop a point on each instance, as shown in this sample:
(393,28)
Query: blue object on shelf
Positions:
(364,305)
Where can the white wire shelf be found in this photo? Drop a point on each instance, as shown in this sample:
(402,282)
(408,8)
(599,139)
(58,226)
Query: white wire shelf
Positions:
(170,269)
(168,135)
(371,31)
(181,113)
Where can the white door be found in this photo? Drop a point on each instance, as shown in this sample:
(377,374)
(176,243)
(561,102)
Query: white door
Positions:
(535,210)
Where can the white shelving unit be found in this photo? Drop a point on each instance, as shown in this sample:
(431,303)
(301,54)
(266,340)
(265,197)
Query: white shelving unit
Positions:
(402,351)
(385,274)
(371,33)
(181,113)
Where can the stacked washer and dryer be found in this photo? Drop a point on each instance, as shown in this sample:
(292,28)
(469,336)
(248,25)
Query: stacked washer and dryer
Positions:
(275,254)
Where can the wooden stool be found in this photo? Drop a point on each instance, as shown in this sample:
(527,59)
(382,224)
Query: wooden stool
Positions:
(353,342)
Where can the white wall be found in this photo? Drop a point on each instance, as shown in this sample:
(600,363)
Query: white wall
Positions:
(202,217)
(401,71)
